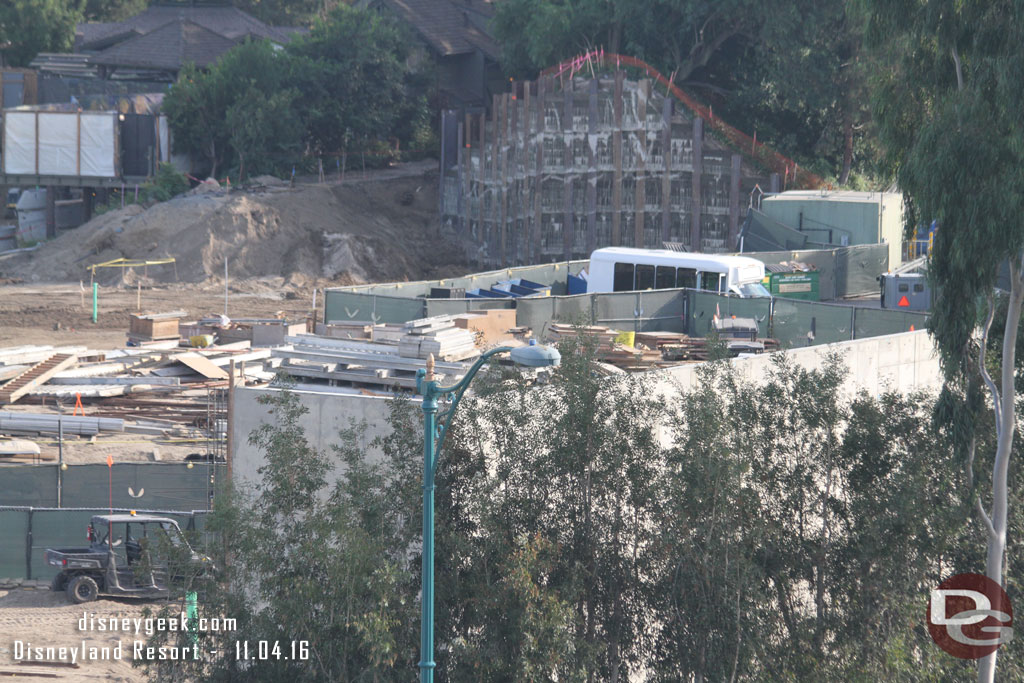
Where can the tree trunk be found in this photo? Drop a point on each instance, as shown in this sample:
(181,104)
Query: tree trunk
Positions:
(844,177)
(616,38)
(1004,446)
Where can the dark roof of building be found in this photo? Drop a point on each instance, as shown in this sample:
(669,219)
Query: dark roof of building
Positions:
(450,27)
(167,48)
(223,20)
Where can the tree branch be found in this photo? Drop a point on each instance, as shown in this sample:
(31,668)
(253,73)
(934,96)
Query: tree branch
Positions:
(959,69)
(985,519)
(981,363)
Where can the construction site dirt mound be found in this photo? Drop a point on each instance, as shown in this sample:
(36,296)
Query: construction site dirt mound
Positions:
(342,233)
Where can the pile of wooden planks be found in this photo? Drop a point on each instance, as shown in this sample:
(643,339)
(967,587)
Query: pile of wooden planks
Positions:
(696,349)
(603,337)
(655,340)
(357,330)
(609,351)
(437,336)
(354,362)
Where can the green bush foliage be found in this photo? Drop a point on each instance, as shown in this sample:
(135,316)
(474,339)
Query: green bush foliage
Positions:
(589,530)
(344,87)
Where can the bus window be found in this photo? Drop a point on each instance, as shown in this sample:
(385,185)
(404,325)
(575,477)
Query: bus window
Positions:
(686,277)
(665,277)
(623,281)
(644,277)
(708,282)
(723,284)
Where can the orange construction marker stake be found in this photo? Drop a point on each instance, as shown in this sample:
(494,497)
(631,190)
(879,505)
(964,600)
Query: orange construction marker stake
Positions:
(78,404)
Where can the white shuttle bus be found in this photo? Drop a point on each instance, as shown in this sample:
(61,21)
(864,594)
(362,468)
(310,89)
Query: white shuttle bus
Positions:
(622,269)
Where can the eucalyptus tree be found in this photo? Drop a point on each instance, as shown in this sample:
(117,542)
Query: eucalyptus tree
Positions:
(948,105)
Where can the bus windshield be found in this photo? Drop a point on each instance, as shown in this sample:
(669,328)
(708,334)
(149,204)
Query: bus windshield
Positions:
(753,289)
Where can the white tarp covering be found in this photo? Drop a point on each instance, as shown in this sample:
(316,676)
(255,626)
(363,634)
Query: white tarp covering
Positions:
(165,139)
(58,143)
(19,142)
(97,145)
(69,143)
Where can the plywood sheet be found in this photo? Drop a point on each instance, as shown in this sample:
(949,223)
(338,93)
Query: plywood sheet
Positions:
(201,365)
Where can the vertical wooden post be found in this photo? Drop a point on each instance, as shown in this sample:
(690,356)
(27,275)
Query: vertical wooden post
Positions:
(460,200)
(516,148)
(591,167)
(620,77)
(538,193)
(696,201)
(467,160)
(230,441)
(666,177)
(51,211)
(88,200)
(78,143)
(567,169)
(481,175)
(640,195)
(734,203)
(441,176)
(503,209)
(529,178)
(492,232)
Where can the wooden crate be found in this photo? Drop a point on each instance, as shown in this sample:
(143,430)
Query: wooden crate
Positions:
(152,327)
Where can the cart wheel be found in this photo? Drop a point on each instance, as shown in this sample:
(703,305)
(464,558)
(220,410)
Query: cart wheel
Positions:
(82,589)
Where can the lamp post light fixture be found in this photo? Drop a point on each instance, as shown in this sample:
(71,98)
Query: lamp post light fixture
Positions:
(533,356)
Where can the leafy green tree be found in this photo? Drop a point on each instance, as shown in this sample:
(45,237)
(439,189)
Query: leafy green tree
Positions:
(34,26)
(589,529)
(350,72)
(241,109)
(575,464)
(948,106)
(306,561)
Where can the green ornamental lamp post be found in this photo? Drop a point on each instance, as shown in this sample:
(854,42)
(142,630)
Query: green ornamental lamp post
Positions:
(534,356)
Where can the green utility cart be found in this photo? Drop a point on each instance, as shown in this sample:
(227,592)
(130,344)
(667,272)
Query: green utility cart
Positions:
(792,284)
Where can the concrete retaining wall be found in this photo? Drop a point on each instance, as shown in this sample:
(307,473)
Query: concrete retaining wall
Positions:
(904,362)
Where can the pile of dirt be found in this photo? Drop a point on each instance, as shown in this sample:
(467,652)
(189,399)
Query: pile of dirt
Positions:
(365,231)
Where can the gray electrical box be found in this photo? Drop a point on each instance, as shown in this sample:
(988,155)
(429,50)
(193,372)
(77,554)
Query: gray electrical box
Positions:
(906,291)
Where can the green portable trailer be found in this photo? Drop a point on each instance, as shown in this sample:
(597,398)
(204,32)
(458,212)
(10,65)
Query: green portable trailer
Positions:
(793,284)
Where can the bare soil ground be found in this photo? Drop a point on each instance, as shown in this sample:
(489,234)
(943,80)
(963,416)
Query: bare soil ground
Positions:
(280,242)
(47,619)
(381,228)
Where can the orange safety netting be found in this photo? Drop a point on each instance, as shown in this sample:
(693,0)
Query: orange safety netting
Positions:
(792,175)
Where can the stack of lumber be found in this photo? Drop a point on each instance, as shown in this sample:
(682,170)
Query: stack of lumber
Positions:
(602,337)
(359,330)
(354,362)
(154,327)
(632,359)
(608,350)
(437,336)
(655,340)
(493,325)
(696,349)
